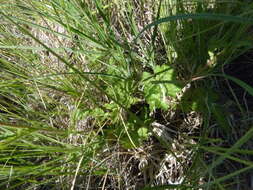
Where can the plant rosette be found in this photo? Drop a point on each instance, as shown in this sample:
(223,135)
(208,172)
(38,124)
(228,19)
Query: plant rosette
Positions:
(160,86)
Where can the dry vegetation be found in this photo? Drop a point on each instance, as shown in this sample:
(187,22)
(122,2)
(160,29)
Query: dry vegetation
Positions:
(93,97)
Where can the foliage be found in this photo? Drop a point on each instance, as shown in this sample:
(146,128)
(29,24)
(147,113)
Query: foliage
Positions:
(162,85)
(85,85)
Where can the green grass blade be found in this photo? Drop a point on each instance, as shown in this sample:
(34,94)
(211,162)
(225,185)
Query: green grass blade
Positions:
(237,145)
(244,85)
(198,16)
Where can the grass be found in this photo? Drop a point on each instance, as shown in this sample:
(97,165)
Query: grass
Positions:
(124,95)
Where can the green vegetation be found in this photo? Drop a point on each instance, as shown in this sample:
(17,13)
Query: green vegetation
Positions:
(99,94)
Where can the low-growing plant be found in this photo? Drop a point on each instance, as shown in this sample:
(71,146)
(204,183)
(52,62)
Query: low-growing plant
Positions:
(83,81)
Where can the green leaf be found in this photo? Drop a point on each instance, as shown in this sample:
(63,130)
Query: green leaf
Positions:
(196,99)
(162,85)
(143,132)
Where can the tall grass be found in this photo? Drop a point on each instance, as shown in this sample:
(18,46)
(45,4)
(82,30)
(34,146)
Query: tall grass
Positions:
(98,95)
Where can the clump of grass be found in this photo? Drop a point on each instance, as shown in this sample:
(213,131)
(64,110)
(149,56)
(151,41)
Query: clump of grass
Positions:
(92,96)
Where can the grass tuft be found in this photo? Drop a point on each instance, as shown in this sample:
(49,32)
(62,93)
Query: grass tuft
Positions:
(125,94)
